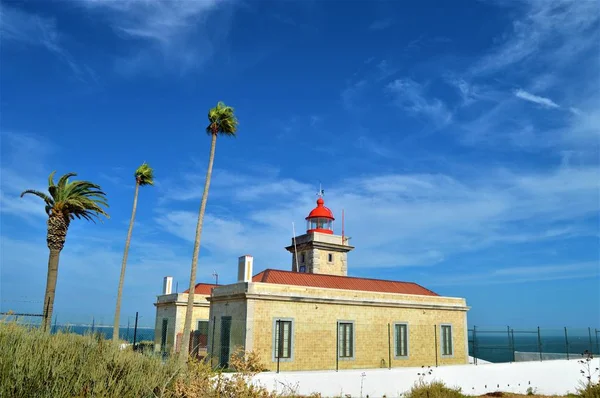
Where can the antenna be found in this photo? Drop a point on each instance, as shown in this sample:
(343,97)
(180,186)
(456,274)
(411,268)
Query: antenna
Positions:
(295,248)
(216,276)
(343,241)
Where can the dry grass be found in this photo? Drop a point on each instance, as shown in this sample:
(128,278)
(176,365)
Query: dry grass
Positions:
(65,365)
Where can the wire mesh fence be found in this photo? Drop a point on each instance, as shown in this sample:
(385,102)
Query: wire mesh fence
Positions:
(130,332)
(532,344)
(336,344)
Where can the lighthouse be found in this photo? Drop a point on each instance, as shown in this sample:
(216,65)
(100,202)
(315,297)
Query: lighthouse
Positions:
(319,250)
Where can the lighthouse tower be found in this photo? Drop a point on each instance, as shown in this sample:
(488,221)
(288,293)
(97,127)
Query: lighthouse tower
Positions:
(319,251)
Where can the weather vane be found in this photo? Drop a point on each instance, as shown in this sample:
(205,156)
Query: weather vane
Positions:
(321,192)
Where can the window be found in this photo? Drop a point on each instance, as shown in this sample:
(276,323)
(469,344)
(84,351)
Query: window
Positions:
(282,339)
(202,334)
(302,258)
(346,339)
(446,340)
(401,340)
(330,257)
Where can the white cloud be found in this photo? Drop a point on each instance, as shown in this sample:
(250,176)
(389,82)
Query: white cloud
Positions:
(184,34)
(352,93)
(406,219)
(525,274)
(547,102)
(564,25)
(18,26)
(412,97)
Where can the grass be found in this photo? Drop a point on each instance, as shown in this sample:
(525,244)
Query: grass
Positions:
(35,364)
(65,365)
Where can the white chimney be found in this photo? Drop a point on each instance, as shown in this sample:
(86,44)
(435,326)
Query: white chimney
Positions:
(167,285)
(245,268)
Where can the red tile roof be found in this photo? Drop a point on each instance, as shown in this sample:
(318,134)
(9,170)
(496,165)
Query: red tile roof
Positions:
(340,282)
(202,288)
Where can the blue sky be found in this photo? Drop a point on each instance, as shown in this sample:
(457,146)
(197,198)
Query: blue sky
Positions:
(461,139)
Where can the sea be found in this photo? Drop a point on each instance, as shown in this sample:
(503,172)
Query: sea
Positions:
(498,347)
(489,345)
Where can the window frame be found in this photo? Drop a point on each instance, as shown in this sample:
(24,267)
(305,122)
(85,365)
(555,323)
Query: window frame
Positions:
(274,339)
(407,341)
(353,341)
(442,339)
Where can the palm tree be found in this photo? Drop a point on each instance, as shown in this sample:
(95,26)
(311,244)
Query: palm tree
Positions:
(67,200)
(144,175)
(222,121)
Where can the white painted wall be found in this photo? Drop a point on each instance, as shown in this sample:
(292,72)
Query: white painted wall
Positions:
(551,377)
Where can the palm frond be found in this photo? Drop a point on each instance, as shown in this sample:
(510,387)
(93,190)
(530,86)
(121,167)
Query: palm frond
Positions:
(51,179)
(64,179)
(144,174)
(40,195)
(222,120)
(74,199)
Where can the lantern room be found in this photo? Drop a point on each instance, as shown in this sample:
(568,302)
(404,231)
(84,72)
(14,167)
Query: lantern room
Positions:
(320,219)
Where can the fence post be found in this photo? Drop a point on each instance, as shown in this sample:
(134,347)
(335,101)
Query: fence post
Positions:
(539,343)
(135,330)
(436,344)
(567,342)
(475,344)
(509,346)
(512,337)
(389,348)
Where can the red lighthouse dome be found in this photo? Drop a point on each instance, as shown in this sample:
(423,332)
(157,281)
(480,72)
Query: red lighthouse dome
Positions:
(320,219)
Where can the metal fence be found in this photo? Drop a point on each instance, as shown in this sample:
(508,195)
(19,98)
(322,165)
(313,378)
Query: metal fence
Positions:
(131,332)
(531,344)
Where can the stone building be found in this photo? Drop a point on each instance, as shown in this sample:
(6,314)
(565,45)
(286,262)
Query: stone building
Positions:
(316,317)
(170,317)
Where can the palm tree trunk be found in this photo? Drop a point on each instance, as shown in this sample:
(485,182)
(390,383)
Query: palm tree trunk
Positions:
(185,342)
(50,289)
(124,264)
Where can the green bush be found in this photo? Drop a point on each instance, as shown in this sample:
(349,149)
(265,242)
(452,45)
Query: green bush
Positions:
(35,364)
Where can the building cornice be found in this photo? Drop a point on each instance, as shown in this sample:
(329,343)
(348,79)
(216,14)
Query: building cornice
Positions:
(341,301)
(314,244)
(181,304)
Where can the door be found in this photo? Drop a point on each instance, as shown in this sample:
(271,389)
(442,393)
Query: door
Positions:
(225,337)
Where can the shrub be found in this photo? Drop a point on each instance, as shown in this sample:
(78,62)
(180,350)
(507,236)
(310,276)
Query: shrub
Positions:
(434,389)
(590,388)
(35,364)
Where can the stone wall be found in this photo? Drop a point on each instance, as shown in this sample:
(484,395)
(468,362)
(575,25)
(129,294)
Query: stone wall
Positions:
(315,313)
(173,307)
